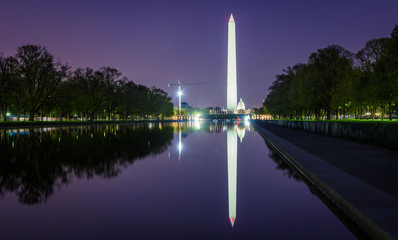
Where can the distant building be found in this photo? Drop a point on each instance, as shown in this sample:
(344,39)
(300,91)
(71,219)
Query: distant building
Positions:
(241,106)
(217,110)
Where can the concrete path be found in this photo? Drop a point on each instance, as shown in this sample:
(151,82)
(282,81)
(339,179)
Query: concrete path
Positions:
(361,179)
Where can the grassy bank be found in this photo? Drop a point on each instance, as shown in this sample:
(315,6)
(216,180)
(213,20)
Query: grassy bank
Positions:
(345,120)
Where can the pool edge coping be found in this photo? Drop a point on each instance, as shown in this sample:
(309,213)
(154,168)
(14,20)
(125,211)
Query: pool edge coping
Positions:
(356,215)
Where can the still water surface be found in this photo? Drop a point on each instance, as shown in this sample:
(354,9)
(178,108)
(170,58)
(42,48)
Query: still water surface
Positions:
(154,181)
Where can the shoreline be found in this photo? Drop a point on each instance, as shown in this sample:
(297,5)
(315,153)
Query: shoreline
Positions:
(372,133)
(374,214)
(36,124)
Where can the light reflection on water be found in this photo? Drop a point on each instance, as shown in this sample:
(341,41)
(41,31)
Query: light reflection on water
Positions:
(33,161)
(192,177)
(233,132)
(232,148)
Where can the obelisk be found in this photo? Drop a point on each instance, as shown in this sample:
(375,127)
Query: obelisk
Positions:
(232,99)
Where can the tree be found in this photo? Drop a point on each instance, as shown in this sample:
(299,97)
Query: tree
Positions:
(310,98)
(89,91)
(321,86)
(369,85)
(64,100)
(330,84)
(333,66)
(112,80)
(390,58)
(277,100)
(7,84)
(295,93)
(160,103)
(128,98)
(39,75)
(32,82)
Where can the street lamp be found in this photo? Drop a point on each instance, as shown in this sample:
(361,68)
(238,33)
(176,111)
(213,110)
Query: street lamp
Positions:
(179,84)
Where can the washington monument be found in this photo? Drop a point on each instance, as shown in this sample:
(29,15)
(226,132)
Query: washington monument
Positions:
(232,98)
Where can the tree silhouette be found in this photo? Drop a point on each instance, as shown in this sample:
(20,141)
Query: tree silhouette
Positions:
(335,82)
(40,75)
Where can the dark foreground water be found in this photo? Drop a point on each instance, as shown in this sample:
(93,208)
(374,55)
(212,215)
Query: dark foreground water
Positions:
(154,181)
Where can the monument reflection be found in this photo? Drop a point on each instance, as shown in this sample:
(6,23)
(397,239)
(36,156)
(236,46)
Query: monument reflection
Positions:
(233,132)
(232,149)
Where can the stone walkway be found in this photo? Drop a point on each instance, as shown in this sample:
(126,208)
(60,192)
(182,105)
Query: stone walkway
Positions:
(361,179)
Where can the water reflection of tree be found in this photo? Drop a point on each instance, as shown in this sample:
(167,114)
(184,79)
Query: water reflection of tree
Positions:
(281,165)
(31,165)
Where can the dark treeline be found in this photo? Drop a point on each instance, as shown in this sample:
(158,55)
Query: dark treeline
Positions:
(336,83)
(34,162)
(32,83)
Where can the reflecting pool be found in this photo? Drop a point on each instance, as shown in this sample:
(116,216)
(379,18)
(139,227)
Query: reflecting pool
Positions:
(195,180)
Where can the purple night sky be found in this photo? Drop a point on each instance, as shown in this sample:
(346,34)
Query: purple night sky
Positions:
(157,42)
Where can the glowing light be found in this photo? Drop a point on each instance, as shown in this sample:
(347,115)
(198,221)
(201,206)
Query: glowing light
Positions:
(8,114)
(179,93)
(197,122)
(196,118)
(179,144)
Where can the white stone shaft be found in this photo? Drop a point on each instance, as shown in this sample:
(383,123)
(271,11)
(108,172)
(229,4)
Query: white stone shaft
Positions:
(232,98)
